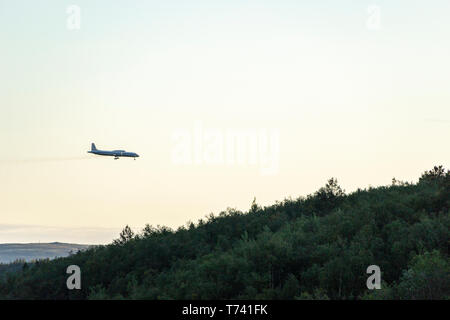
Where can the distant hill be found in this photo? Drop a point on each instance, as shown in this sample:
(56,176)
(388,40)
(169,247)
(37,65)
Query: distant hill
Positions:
(10,252)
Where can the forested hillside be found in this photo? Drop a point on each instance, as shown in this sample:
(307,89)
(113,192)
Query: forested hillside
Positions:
(314,247)
(6,268)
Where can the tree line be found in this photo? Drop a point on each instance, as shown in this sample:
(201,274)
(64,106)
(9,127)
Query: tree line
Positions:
(313,247)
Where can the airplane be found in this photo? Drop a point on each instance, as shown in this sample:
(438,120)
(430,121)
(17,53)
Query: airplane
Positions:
(116,153)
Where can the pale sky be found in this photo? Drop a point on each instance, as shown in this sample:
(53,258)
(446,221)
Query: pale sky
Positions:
(348,100)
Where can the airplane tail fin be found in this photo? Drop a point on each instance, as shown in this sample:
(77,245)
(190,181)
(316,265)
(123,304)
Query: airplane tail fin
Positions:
(93,148)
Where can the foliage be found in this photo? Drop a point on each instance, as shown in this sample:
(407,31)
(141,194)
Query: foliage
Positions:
(317,247)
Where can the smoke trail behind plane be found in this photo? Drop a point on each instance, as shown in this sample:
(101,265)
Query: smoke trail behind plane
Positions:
(44,159)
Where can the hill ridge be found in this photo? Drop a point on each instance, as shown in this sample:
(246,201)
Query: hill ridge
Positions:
(313,247)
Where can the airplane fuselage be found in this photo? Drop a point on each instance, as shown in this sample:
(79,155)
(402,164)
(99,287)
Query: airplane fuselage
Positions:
(115,153)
